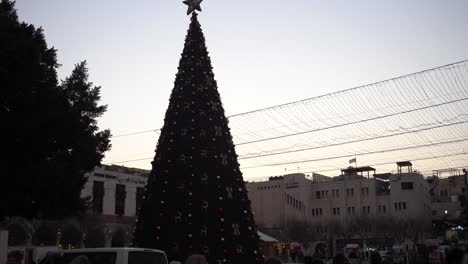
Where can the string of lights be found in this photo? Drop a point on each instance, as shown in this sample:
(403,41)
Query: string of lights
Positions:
(409,114)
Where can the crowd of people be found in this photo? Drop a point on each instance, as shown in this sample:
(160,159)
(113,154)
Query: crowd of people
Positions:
(451,256)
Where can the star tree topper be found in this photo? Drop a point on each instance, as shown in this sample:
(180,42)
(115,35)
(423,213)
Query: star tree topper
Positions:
(192,5)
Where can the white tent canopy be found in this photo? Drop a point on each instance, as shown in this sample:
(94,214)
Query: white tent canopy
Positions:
(266,238)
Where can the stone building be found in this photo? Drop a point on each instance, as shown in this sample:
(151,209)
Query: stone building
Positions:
(358,198)
(448,194)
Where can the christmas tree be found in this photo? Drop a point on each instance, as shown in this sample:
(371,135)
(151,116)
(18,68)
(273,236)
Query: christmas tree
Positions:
(196,200)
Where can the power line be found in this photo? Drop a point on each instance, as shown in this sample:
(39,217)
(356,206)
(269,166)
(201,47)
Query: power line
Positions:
(357,154)
(318,97)
(349,142)
(137,133)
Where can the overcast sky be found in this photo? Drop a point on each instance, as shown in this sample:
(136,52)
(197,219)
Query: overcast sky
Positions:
(263,52)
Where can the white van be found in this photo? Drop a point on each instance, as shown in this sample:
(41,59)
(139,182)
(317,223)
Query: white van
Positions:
(116,255)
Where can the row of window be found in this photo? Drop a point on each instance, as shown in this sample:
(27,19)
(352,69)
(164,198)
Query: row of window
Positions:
(269,187)
(105,176)
(400,206)
(316,211)
(120,197)
(365,210)
(382,209)
(294,202)
(335,193)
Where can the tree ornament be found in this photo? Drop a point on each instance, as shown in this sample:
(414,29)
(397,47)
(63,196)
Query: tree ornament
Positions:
(235,228)
(202,132)
(178,217)
(204,231)
(206,251)
(205,206)
(214,106)
(239,249)
(182,158)
(223,158)
(229,192)
(203,154)
(218,131)
(204,178)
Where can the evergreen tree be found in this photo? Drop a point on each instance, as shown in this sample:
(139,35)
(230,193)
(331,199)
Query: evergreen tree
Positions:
(196,200)
(49,133)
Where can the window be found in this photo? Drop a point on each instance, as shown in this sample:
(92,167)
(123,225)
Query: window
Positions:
(350,192)
(120,199)
(337,193)
(443,193)
(317,194)
(404,205)
(336,211)
(383,208)
(399,205)
(98,197)
(351,210)
(366,209)
(313,212)
(380,209)
(326,193)
(140,193)
(365,191)
(320,211)
(407,186)
(396,206)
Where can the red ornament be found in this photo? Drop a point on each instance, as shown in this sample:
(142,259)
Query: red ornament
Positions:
(194,93)
(226,251)
(221,230)
(220,209)
(190,204)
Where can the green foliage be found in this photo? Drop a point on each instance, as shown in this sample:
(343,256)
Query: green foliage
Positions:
(50,137)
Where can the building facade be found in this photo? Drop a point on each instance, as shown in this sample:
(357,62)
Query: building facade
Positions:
(115,190)
(355,199)
(448,194)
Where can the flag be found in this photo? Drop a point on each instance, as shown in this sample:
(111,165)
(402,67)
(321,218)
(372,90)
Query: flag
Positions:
(352,160)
